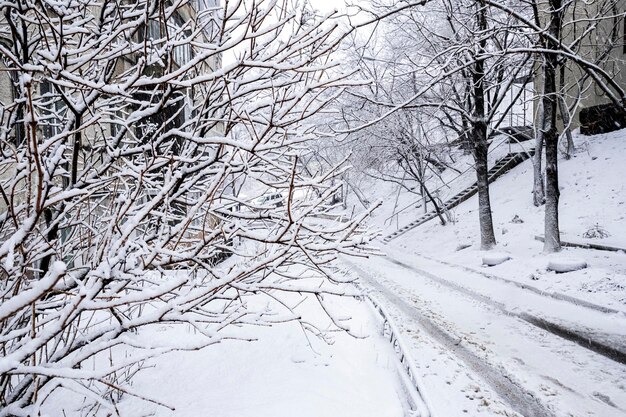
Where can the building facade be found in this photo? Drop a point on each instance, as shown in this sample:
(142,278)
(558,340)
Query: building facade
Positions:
(592,71)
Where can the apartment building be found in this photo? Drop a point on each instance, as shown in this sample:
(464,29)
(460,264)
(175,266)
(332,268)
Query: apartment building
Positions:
(168,42)
(191,24)
(195,16)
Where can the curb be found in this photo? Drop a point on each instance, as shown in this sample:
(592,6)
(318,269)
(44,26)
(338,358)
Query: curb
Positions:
(421,405)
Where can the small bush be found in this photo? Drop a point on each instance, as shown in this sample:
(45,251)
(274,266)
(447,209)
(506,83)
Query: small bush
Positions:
(596,232)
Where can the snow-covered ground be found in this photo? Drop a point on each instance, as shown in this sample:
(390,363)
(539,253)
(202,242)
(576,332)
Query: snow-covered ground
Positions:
(476,359)
(484,340)
(286,371)
(593,196)
(593,192)
(515,337)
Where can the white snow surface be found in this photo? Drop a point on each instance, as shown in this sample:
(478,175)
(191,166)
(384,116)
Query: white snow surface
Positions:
(466,322)
(285,372)
(473,340)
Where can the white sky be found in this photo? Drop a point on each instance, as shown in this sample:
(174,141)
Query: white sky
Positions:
(328,5)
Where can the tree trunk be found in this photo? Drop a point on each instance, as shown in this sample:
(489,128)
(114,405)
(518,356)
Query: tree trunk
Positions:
(552,241)
(487,235)
(539,196)
(564,110)
(438,209)
(479,139)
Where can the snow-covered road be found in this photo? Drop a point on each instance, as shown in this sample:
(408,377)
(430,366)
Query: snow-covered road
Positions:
(479,351)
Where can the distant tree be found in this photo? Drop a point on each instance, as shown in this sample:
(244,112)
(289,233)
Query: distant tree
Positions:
(407,148)
(458,56)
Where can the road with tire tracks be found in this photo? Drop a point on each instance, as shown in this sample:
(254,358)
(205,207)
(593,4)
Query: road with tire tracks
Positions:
(531,354)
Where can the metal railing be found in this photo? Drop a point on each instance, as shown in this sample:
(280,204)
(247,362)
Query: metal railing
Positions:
(410,375)
(445,185)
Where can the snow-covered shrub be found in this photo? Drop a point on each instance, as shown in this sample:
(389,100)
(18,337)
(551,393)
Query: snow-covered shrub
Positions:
(562,264)
(495,258)
(126,181)
(596,232)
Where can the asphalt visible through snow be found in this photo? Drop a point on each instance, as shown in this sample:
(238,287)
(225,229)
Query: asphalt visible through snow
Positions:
(528,358)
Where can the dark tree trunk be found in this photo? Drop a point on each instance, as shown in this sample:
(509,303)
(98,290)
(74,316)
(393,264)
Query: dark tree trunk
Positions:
(565,116)
(479,139)
(438,209)
(551,135)
(539,195)
(487,235)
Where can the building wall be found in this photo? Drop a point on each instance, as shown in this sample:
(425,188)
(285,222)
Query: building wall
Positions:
(608,35)
(93,133)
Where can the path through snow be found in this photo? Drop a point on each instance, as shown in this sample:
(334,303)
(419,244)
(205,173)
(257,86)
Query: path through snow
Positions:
(460,342)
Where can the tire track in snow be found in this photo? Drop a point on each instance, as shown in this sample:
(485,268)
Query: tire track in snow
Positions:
(517,397)
(584,340)
(554,295)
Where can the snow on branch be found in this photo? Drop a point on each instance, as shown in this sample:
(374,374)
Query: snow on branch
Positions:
(141,141)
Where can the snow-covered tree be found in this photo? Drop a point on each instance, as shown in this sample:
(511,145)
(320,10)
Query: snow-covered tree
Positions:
(409,147)
(573,46)
(570,69)
(467,55)
(456,56)
(135,138)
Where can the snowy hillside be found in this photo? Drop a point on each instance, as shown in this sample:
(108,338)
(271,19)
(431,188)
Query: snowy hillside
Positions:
(402,206)
(592,193)
(558,338)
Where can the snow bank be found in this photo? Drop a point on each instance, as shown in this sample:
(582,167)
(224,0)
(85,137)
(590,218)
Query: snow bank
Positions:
(285,372)
(495,258)
(562,265)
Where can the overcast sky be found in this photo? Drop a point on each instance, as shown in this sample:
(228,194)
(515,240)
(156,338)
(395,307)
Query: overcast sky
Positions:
(324,6)
(327,5)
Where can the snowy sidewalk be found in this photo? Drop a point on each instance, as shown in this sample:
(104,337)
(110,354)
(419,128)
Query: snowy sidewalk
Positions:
(513,364)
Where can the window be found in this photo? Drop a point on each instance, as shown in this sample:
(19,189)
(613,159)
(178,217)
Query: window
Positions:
(52,109)
(182,53)
(203,5)
(153,31)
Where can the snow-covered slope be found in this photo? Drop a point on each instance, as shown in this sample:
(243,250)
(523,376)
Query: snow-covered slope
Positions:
(593,195)
(401,206)
(532,341)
